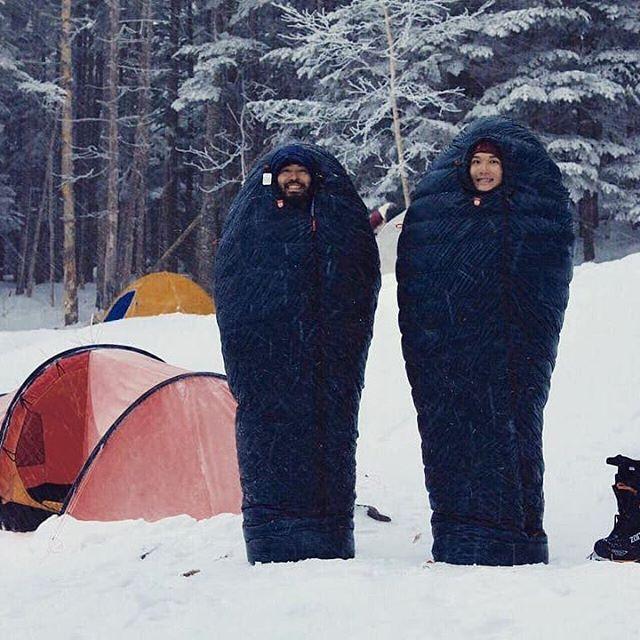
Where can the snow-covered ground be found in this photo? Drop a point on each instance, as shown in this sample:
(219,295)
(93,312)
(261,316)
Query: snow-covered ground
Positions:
(36,312)
(77,580)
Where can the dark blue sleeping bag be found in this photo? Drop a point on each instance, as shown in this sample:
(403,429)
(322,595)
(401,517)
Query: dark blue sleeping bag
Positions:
(483,282)
(296,291)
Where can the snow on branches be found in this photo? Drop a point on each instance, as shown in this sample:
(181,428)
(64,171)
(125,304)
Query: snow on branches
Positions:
(380,100)
(212,60)
(573,75)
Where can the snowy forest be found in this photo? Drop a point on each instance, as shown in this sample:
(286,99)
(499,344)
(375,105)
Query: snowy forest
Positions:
(127,126)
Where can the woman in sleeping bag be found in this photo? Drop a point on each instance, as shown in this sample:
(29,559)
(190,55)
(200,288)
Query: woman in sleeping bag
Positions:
(483,270)
(296,285)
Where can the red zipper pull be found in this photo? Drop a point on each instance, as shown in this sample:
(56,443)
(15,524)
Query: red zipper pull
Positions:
(312,210)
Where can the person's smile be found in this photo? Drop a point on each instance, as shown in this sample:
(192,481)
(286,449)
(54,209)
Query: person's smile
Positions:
(485,171)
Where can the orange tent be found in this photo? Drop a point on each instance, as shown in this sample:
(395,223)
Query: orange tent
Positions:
(158,293)
(107,432)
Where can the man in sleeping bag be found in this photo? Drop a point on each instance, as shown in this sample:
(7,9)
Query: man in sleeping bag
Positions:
(483,270)
(296,285)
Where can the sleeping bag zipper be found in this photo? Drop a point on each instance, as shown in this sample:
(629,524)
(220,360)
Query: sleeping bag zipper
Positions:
(318,360)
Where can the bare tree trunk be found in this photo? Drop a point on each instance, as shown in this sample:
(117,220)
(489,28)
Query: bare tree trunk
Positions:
(169,205)
(243,137)
(136,211)
(52,244)
(82,43)
(588,211)
(25,239)
(93,93)
(206,235)
(33,256)
(48,178)
(191,124)
(397,130)
(70,302)
(213,204)
(140,256)
(26,205)
(110,286)
(128,225)
(176,244)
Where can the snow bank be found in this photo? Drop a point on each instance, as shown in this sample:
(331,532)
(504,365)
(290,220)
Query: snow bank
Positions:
(103,580)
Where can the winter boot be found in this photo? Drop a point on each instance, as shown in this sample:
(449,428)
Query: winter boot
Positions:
(623,543)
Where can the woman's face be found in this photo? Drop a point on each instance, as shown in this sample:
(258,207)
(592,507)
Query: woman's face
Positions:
(485,171)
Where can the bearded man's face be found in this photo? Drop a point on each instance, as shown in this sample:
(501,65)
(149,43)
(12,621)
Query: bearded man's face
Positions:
(294,181)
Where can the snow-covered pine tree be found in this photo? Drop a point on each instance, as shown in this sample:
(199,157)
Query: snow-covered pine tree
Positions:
(219,77)
(10,217)
(570,71)
(224,57)
(134,224)
(364,63)
(615,56)
(27,95)
(226,61)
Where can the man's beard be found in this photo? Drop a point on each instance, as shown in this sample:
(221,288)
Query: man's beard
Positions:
(296,198)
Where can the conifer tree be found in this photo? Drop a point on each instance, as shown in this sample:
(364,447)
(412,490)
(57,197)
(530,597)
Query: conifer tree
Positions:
(216,94)
(377,74)
(571,73)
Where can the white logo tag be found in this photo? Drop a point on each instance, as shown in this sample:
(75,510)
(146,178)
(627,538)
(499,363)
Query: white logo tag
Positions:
(266,179)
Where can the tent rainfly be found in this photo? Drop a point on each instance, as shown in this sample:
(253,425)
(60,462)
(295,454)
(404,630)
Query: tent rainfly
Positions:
(158,293)
(108,432)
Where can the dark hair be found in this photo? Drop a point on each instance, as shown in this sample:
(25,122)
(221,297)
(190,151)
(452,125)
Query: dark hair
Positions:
(487,146)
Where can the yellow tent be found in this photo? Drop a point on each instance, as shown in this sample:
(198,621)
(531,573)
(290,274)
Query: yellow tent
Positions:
(158,293)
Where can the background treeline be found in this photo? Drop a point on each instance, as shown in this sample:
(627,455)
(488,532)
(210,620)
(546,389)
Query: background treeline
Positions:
(127,126)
